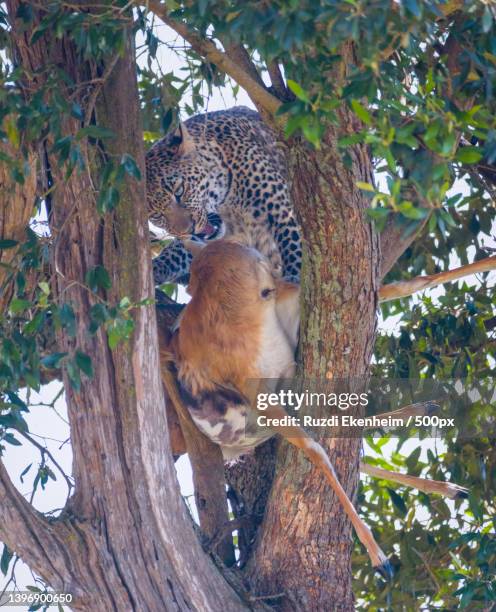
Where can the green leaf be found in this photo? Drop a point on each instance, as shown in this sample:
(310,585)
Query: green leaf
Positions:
(12,131)
(398,502)
(352,139)
(25,12)
(408,210)
(5,560)
(24,472)
(120,330)
(14,419)
(35,324)
(98,278)
(414,7)
(167,120)
(44,286)
(468,155)
(17,401)
(77,111)
(83,362)
(168,289)
(466,598)
(365,186)
(94,131)
(108,199)
(53,360)
(8,244)
(99,314)
(130,166)
(298,91)
(361,112)
(292,124)
(125,303)
(412,460)
(68,319)
(74,376)
(32,380)
(18,305)
(11,439)
(487,20)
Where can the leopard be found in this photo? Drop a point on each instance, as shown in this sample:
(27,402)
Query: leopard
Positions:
(222,174)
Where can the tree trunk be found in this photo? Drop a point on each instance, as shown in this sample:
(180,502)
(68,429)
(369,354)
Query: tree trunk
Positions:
(16,208)
(304,546)
(125,540)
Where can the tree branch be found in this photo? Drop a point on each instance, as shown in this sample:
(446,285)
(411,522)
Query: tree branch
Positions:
(44,451)
(394,291)
(277,80)
(266,103)
(30,535)
(394,243)
(240,57)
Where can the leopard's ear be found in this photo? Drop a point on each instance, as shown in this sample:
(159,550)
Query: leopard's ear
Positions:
(184,141)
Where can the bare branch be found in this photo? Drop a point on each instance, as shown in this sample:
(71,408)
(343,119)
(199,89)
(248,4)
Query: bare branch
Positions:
(277,80)
(394,291)
(394,243)
(240,56)
(417,409)
(97,89)
(266,103)
(44,451)
(29,534)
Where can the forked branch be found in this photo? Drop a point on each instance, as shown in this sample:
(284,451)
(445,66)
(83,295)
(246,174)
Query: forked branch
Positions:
(30,535)
(402,289)
(266,103)
(240,56)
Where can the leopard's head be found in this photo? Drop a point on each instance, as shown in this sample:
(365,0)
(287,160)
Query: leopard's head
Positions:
(186,182)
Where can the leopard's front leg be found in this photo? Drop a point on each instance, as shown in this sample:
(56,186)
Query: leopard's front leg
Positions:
(288,239)
(172,265)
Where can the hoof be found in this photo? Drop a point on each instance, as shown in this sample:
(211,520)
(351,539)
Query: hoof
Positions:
(385,570)
(461,494)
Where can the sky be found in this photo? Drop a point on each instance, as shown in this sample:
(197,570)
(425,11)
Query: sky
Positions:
(50,422)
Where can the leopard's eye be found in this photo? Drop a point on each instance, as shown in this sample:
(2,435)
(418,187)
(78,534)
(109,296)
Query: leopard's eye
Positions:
(179,191)
(266,293)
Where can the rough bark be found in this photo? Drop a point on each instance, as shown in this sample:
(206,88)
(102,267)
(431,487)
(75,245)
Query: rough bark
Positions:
(125,541)
(304,545)
(250,482)
(16,208)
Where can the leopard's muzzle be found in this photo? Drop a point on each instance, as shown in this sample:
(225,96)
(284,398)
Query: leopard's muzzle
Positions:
(213,229)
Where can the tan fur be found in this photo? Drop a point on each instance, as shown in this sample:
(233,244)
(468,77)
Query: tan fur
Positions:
(225,313)
(187,145)
(181,222)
